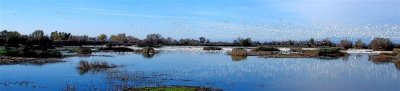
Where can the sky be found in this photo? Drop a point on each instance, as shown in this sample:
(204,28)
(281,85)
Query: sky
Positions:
(219,20)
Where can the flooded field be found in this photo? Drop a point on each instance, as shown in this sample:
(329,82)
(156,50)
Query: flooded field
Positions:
(180,67)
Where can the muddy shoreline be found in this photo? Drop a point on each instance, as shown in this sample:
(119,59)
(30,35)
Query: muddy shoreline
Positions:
(8,60)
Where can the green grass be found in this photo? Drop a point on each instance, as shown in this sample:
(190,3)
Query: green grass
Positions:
(3,52)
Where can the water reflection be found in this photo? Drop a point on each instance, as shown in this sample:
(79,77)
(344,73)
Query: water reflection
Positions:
(238,58)
(397,64)
(148,55)
(216,70)
(346,58)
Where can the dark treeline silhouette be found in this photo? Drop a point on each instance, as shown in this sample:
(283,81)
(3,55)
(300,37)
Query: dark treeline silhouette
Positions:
(13,38)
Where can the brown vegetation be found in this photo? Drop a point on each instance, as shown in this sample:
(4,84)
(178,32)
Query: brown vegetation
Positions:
(85,66)
(311,53)
(396,50)
(238,58)
(148,50)
(345,44)
(383,57)
(381,44)
(238,52)
(397,64)
(6,60)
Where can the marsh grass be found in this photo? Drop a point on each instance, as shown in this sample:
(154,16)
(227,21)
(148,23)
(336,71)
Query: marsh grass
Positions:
(396,50)
(383,57)
(7,60)
(311,53)
(238,52)
(85,66)
(32,53)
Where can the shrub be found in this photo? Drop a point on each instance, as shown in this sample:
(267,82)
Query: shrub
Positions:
(85,66)
(3,52)
(238,52)
(148,50)
(212,48)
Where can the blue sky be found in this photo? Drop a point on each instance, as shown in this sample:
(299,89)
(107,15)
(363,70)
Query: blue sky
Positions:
(215,19)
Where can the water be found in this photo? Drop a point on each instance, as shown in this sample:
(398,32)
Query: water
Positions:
(209,69)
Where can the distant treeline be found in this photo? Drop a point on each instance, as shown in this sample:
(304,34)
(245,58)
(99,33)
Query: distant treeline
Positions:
(38,37)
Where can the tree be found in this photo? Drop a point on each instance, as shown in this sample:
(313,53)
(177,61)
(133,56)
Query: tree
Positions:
(345,44)
(325,42)
(38,35)
(3,36)
(113,38)
(191,42)
(311,42)
(359,44)
(381,44)
(169,41)
(242,42)
(202,40)
(132,39)
(120,38)
(55,36)
(11,37)
(153,39)
(102,37)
